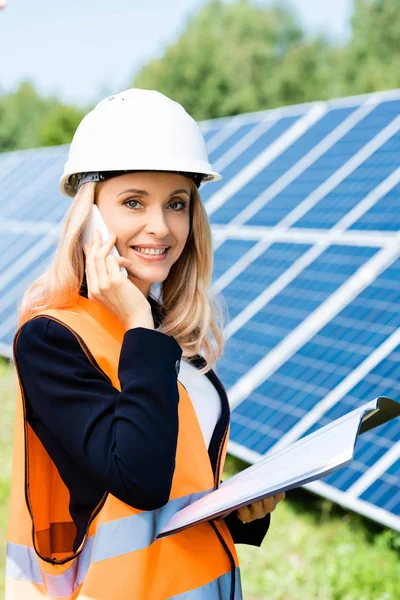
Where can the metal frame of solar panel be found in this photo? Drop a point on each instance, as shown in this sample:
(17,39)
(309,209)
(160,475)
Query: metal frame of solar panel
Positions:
(307,256)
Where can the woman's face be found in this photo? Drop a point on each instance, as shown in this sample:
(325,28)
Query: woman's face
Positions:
(147,209)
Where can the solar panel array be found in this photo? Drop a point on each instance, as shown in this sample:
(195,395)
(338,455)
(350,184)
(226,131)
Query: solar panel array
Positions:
(305,225)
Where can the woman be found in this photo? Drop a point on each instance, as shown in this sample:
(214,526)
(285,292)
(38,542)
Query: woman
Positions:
(109,441)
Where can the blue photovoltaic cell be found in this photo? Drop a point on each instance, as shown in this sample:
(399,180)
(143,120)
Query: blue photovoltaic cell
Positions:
(335,205)
(236,136)
(228,254)
(327,164)
(277,168)
(11,287)
(11,293)
(23,176)
(385,491)
(48,205)
(210,133)
(261,273)
(14,246)
(4,156)
(383,216)
(330,356)
(10,160)
(284,312)
(245,157)
(41,174)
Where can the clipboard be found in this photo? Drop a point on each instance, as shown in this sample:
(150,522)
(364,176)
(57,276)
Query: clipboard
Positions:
(320,453)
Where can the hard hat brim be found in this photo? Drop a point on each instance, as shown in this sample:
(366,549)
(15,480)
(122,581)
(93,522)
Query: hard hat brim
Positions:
(67,181)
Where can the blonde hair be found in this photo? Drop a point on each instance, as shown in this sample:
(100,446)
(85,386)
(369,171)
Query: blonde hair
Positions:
(187,307)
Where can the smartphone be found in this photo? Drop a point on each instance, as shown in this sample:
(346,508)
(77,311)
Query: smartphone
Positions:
(96,221)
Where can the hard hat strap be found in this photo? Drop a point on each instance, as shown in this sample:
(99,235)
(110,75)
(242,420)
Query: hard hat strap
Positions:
(82,178)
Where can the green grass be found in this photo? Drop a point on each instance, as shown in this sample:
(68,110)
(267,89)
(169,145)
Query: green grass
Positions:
(313,550)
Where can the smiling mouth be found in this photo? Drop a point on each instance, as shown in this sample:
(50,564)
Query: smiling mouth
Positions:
(145,248)
(151,257)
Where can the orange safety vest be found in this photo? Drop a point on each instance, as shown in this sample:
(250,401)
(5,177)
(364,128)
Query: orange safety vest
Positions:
(119,557)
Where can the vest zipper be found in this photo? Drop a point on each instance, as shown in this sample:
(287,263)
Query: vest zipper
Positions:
(217,484)
(217,467)
(221,539)
(231,560)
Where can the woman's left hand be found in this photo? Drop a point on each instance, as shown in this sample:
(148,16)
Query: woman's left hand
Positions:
(257,510)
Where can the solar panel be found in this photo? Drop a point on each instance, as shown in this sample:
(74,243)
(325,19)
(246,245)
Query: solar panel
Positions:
(384,215)
(261,272)
(385,490)
(227,255)
(268,324)
(360,182)
(305,229)
(260,137)
(232,136)
(280,165)
(304,352)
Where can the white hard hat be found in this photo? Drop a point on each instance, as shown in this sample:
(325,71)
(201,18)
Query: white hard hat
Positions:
(136,130)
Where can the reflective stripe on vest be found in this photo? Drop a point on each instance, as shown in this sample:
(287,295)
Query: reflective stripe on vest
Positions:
(22,564)
(111,539)
(219,588)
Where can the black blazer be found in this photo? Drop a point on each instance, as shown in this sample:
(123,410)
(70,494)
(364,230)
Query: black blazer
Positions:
(101,438)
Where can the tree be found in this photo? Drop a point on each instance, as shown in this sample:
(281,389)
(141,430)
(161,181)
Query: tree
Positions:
(228,59)
(373,54)
(59,125)
(20,117)
(309,72)
(28,120)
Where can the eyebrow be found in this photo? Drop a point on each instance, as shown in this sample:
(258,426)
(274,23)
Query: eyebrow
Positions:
(144,193)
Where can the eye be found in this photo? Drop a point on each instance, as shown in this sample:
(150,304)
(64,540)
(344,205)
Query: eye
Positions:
(128,201)
(182,202)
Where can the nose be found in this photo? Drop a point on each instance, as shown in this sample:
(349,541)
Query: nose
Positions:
(157,222)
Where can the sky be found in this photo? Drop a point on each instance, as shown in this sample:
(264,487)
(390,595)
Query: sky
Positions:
(84,50)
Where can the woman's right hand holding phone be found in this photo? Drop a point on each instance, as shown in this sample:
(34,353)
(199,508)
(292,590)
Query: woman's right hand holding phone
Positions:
(108,286)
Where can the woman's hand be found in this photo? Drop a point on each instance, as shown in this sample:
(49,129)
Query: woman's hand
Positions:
(107,285)
(257,510)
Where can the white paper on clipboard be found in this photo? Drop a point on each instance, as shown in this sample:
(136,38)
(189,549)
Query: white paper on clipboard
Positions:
(312,457)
